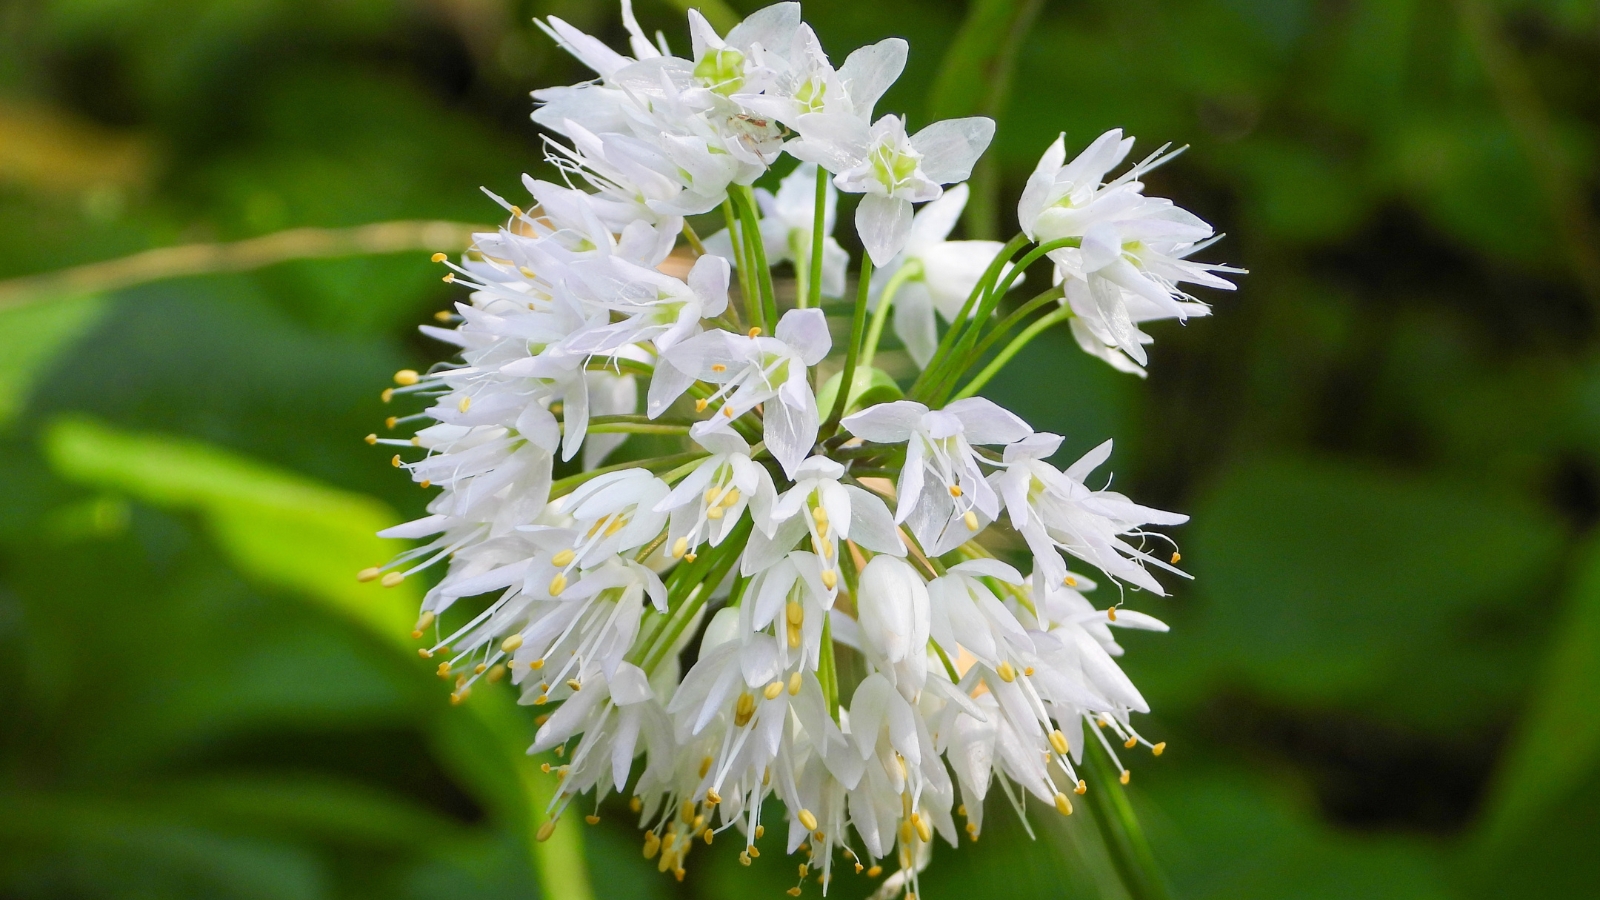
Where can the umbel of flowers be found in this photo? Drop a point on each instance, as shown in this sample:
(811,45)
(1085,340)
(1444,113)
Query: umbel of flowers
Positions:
(818,547)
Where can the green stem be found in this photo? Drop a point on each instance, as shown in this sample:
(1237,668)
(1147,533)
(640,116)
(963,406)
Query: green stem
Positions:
(963,318)
(636,428)
(694,240)
(736,239)
(827,670)
(858,322)
(818,209)
(1124,837)
(757,250)
(911,269)
(1004,356)
(720,560)
(1011,321)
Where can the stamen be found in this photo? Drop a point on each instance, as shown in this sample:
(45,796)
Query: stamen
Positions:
(805,816)
(392,579)
(772,691)
(1063,805)
(369,574)
(438,258)
(510,644)
(1007,672)
(371,439)
(562,558)
(407,377)
(794,684)
(1158,749)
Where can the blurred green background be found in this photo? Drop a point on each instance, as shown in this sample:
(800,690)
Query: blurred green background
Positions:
(1384,681)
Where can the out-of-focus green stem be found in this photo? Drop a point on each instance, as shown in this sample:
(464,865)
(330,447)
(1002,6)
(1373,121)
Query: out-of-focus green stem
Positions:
(736,240)
(911,269)
(964,319)
(756,254)
(818,209)
(1124,837)
(827,669)
(858,322)
(1004,356)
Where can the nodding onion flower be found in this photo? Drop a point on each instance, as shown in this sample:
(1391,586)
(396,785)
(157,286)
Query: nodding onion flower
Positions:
(788,602)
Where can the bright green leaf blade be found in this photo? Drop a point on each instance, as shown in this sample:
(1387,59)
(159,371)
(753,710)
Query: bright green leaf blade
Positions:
(31,336)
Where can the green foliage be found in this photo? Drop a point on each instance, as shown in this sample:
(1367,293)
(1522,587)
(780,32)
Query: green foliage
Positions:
(1379,685)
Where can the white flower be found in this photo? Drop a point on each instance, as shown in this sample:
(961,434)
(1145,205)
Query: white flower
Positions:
(708,502)
(655,306)
(895,620)
(786,224)
(1054,510)
(1106,320)
(941,492)
(966,612)
(758,370)
(947,272)
(811,85)
(820,507)
(892,169)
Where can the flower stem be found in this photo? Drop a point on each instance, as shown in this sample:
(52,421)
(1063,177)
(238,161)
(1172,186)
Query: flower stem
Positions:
(906,272)
(757,252)
(1011,321)
(963,318)
(827,670)
(736,239)
(1004,356)
(818,209)
(858,323)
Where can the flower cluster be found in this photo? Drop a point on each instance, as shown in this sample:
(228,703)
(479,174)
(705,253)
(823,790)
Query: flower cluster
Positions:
(818,554)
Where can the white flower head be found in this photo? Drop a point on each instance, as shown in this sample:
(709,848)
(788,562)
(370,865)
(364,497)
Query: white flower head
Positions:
(752,369)
(942,491)
(709,501)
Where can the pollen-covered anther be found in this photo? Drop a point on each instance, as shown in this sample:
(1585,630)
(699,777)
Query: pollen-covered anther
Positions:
(830,579)
(772,690)
(545,830)
(1125,776)
(592,819)
(496,673)
(689,557)
(369,574)
(807,819)
(391,422)
(479,669)
(424,484)
(794,684)
(536,665)
(449,277)
(1111,613)
(562,558)
(464,404)
(392,579)
(712,797)
(1063,805)
(743,709)
(557,585)
(804,870)
(395,461)
(510,644)
(1059,742)
(680,547)
(370,439)
(744,857)
(701,404)
(971,518)
(718,367)
(407,377)
(387,395)
(1130,743)
(1069,581)
(575,684)
(438,258)
(755,332)
(955,490)
(705,766)
(727,412)
(652,844)
(923,826)
(1007,672)
(459,696)
(424,652)
(1176,557)
(1082,788)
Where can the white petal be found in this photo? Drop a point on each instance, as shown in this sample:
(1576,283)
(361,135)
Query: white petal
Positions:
(914,323)
(950,148)
(883,223)
(986,422)
(805,330)
(887,423)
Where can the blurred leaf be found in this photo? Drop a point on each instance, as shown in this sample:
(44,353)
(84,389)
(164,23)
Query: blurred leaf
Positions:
(1237,835)
(1328,583)
(285,530)
(1538,827)
(31,337)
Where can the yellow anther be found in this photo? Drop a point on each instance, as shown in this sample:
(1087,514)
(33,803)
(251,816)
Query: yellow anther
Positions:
(395,461)
(820,515)
(541,700)
(731,497)
(459,696)
(424,620)
(1006,672)
(923,826)
(795,613)
(1125,776)
(510,644)
(794,636)
(1130,743)
(772,690)
(961,810)
(464,404)
(906,831)
(369,574)
(496,673)
(971,518)
(449,277)
(558,584)
(438,257)
(705,766)
(875,871)
(680,547)
(714,512)
(562,558)
(1176,556)
(743,709)
(755,332)
(1028,671)
(727,411)
(407,377)
(706,835)
(1069,581)
(617,524)
(592,819)
(545,830)
(392,579)
(536,665)
(827,550)
(1059,742)
(807,819)
(387,395)
(391,422)
(652,844)
(830,578)
(1063,805)
(575,684)
(700,405)
(754,852)
(718,367)
(804,870)
(794,891)
(955,490)
(416,442)
(479,669)
(761,832)
(744,858)
(443,671)
(424,484)
(1158,749)
(1082,788)
(370,439)
(1111,613)
(794,684)
(443,315)
(689,557)
(540,720)
(545,768)
(859,867)
(712,797)
(425,653)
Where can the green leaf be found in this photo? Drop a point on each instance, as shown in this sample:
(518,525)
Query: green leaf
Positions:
(1537,833)
(33,335)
